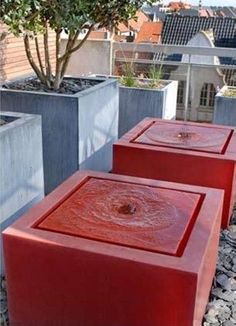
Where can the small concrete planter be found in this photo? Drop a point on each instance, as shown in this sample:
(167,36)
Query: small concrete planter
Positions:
(135,104)
(78,130)
(21,165)
(225,108)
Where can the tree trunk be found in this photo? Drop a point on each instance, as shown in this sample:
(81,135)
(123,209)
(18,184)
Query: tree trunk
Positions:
(63,61)
(58,63)
(47,56)
(39,55)
(37,71)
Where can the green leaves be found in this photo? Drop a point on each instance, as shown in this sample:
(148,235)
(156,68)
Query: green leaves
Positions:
(70,15)
(28,18)
(128,78)
(21,16)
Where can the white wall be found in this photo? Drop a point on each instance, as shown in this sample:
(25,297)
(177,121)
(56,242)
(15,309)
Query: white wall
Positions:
(198,77)
(201,39)
(93,57)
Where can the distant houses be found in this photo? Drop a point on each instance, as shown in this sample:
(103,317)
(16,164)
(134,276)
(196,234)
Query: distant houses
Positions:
(200,31)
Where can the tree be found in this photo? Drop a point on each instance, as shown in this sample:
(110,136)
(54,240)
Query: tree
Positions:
(31,18)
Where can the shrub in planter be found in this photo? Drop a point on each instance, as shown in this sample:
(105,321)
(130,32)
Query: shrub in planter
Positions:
(78,129)
(225,106)
(140,98)
(73,125)
(21,165)
(30,19)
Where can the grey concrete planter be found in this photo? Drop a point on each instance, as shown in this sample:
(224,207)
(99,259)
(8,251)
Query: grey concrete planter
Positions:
(78,130)
(137,103)
(21,165)
(225,108)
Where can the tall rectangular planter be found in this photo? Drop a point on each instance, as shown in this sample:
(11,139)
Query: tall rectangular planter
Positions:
(78,130)
(135,104)
(21,165)
(225,108)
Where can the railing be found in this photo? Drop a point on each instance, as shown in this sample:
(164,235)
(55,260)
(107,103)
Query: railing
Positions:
(193,58)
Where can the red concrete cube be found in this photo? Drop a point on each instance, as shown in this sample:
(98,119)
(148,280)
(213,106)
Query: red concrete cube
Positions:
(110,250)
(192,153)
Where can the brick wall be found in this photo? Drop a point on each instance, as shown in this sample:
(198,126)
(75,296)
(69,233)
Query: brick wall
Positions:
(13,61)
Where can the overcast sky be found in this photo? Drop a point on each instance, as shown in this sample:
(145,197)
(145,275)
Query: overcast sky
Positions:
(210,2)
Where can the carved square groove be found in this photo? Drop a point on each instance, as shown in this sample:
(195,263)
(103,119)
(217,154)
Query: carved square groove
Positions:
(133,215)
(186,136)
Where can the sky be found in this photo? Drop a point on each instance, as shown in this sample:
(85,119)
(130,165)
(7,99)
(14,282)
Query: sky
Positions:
(210,2)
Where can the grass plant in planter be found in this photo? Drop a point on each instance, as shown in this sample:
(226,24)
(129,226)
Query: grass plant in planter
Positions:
(225,106)
(145,97)
(79,125)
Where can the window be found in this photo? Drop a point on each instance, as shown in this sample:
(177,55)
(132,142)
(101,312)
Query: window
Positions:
(180,94)
(207,97)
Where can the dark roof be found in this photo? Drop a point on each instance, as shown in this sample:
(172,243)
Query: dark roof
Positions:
(188,12)
(154,12)
(179,30)
(229,12)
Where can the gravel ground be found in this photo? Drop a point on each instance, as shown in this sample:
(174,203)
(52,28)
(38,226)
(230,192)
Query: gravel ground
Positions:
(221,309)
(68,86)
(3,303)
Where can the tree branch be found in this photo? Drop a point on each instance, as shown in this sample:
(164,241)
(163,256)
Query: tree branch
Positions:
(58,62)
(32,16)
(31,60)
(82,41)
(38,54)
(47,55)
(64,66)
(71,42)
(57,51)
(70,49)
(64,60)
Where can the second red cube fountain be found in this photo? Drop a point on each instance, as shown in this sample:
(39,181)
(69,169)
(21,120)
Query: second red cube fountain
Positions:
(191,153)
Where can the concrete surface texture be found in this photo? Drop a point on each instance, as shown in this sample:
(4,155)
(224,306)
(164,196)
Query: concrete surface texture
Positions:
(78,130)
(21,166)
(225,108)
(93,57)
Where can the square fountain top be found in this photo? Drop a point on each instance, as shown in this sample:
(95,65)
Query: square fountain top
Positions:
(133,215)
(186,136)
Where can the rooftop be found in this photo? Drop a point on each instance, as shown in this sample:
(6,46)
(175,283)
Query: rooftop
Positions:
(178,30)
(150,32)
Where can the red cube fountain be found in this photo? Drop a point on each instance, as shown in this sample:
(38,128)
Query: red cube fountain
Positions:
(176,151)
(108,250)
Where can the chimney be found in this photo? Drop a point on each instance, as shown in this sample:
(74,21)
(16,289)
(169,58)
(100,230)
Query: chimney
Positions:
(199,7)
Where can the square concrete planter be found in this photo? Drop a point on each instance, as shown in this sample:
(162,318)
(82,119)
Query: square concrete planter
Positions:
(135,104)
(78,130)
(225,108)
(21,166)
(192,153)
(114,250)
